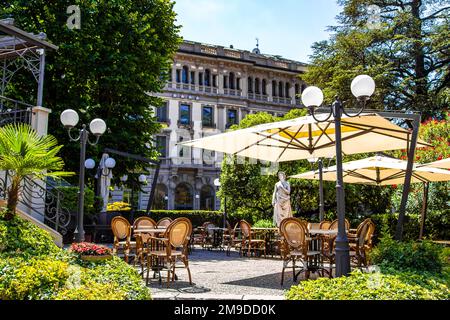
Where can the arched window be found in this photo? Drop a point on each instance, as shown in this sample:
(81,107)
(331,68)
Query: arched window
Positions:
(185,75)
(207,79)
(178,75)
(184,199)
(287,88)
(232,81)
(257,90)
(297,91)
(160,199)
(280,89)
(274,89)
(207,198)
(250,85)
(264,87)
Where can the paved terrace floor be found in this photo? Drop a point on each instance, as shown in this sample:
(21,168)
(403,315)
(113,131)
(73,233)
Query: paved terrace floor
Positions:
(218,276)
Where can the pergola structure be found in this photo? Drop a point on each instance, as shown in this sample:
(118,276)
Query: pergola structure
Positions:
(20,50)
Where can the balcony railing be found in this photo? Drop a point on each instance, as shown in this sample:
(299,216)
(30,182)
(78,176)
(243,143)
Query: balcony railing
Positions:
(13,111)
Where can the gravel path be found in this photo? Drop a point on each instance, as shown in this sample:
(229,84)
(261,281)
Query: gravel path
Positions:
(218,276)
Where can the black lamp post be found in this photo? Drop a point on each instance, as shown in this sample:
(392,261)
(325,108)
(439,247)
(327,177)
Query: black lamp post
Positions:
(69,118)
(362,88)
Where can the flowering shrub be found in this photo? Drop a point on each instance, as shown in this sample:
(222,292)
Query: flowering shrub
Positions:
(118,206)
(90,249)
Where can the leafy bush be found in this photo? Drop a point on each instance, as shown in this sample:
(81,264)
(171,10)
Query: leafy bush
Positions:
(19,237)
(118,206)
(92,291)
(371,286)
(70,200)
(407,256)
(37,278)
(264,223)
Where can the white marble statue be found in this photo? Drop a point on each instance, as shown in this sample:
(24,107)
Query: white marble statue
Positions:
(281,200)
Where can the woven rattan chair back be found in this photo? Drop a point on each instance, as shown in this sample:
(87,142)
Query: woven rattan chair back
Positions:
(294,232)
(335,223)
(178,232)
(164,222)
(362,234)
(245,228)
(370,232)
(144,222)
(121,228)
(325,225)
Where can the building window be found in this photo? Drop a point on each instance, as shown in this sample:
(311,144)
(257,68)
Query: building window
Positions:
(161,146)
(297,91)
(231,118)
(264,87)
(185,75)
(207,78)
(161,112)
(178,75)
(232,80)
(274,89)
(257,90)
(207,116)
(225,82)
(207,198)
(184,199)
(200,78)
(185,114)
(287,88)
(192,77)
(280,89)
(250,85)
(238,83)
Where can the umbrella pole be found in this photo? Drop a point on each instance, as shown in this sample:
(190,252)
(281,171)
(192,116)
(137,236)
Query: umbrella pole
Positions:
(342,245)
(321,201)
(426,187)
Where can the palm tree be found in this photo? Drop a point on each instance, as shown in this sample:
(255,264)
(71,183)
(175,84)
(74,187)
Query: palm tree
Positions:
(23,153)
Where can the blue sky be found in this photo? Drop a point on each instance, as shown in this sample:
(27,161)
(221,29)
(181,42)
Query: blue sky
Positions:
(284,27)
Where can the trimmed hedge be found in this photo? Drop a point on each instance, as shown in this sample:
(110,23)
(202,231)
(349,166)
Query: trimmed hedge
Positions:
(372,286)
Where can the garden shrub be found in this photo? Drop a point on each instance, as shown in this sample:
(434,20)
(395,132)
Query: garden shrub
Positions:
(407,256)
(92,291)
(264,223)
(70,200)
(37,278)
(19,237)
(371,286)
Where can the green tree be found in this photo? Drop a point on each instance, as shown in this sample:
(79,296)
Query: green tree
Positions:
(23,153)
(109,68)
(407,53)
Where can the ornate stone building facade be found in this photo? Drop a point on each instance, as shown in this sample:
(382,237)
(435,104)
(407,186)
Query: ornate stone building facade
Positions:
(210,89)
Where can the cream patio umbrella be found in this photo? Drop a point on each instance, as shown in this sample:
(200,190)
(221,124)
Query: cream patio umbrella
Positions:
(379,170)
(304,137)
(382,171)
(444,164)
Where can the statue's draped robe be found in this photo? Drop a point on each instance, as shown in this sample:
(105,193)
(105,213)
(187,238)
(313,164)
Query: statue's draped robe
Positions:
(282,202)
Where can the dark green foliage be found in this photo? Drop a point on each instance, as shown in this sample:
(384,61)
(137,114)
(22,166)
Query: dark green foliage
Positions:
(70,200)
(407,256)
(105,70)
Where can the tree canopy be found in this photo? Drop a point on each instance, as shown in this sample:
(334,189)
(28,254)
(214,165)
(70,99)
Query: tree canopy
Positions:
(109,69)
(404,45)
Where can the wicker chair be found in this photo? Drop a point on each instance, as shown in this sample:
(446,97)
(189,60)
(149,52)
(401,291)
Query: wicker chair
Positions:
(121,229)
(335,223)
(144,222)
(164,222)
(294,246)
(325,225)
(232,240)
(248,242)
(166,252)
(353,233)
(363,243)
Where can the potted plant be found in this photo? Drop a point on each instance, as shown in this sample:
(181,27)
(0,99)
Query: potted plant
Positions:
(91,251)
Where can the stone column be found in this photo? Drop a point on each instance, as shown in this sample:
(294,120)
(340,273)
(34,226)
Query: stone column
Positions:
(220,84)
(292,92)
(39,120)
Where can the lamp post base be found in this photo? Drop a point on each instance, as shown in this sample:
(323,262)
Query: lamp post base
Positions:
(342,258)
